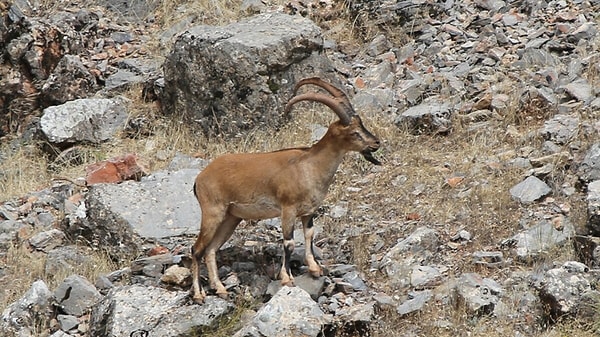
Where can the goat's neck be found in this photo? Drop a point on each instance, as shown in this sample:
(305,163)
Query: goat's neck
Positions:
(327,155)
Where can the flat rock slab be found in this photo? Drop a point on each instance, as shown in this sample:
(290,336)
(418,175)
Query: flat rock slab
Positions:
(160,205)
(542,238)
(530,190)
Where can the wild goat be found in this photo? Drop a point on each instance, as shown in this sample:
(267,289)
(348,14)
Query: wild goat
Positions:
(289,183)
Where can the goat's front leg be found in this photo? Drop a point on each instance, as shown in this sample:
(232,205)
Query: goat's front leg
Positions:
(313,267)
(288,216)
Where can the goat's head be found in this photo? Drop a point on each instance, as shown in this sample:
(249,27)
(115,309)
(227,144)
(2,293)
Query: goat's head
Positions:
(351,131)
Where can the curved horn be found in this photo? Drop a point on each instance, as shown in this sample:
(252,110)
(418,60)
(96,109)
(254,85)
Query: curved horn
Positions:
(336,104)
(335,92)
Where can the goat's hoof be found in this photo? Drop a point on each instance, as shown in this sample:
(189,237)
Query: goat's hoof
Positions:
(199,299)
(316,273)
(289,283)
(223,295)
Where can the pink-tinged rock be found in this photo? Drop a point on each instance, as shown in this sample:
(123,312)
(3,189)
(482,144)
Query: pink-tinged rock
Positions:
(114,170)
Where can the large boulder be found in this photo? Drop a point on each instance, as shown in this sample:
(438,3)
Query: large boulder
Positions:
(569,290)
(120,216)
(92,120)
(20,317)
(233,78)
(291,312)
(150,311)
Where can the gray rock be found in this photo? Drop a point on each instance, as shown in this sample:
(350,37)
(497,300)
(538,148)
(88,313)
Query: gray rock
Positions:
(177,275)
(181,161)
(21,9)
(339,210)
(379,45)
(44,220)
(48,240)
(362,313)
(383,300)
(415,302)
(93,120)
(587,248)
(291,312)
(530,190)
(589,170)
(160,260)
(313,286)
(593,207)
(67,322)
(355,280)
(155,311)
(540,58)
(581,90)
(53,197)
(339,270)
(60,333)
(410,90)
(479,295)
(253,6)
(70,80)
(75,295)
(489,259)
(160,205)
(425,277)
(7,212)
(134,10)
(8,232)
(261,57)
(417,249)
(586,31)
(273,287)
(380,75)
(560,129)
(258,284)
(20,317)
(66,260)
(373,101)
(426,117)
(541,238)
(566,290)
(123,79)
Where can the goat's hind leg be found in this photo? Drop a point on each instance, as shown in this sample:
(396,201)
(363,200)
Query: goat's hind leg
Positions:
(212,220)
(313,267)
(222,234)
(198,293)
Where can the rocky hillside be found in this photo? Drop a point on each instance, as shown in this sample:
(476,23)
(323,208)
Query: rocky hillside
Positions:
(482,220)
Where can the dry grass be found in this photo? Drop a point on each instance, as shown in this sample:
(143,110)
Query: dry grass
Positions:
(21,267)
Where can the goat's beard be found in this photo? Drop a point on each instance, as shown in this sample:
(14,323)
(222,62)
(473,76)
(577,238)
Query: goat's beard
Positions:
(368,155)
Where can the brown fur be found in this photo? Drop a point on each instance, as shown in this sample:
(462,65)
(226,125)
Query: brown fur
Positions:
(290,183)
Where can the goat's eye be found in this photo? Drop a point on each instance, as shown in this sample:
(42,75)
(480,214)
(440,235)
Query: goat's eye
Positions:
(356,134)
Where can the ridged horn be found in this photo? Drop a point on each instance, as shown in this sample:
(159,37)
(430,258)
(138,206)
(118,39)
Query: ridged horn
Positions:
(337,104)
(335,92)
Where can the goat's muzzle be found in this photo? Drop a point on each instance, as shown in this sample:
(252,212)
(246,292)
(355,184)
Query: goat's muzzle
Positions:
(368,155)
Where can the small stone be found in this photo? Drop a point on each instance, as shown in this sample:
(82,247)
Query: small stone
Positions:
(530,190)
(67,322)
(177,275)
(416,302)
